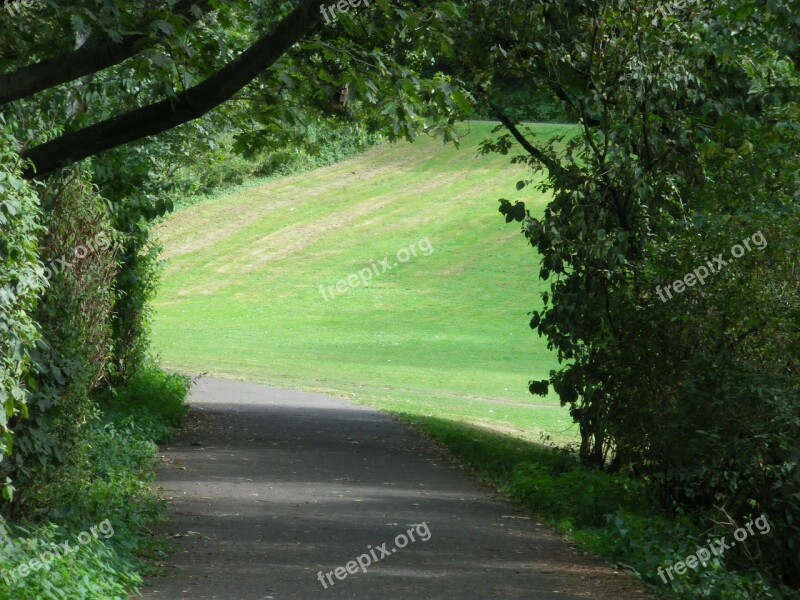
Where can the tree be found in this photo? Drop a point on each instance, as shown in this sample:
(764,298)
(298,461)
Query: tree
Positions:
(686,149)
(108,46)
(167,114)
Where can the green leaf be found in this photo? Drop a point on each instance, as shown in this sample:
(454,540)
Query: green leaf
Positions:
(8,492)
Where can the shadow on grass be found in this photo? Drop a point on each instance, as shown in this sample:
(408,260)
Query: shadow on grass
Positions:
(610,515)
(546,479)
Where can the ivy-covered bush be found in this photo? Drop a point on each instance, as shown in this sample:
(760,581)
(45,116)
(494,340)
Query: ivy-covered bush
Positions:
(71,358)
(21,282)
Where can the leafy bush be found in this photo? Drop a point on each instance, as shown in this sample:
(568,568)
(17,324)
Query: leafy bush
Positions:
(110,481)
(153,395)
(21,283)
(230,160)
(74,316)
(524,102)
(93,571)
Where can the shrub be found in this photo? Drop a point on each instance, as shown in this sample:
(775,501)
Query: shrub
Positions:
(110,480)
(153,396)
(21,283)
(74,317)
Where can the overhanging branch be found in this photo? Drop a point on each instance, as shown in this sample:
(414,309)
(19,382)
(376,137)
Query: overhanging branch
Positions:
(96,54)
(190,105)
(552,165)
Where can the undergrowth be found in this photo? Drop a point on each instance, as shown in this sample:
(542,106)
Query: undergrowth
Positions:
(610,515)
(86,534)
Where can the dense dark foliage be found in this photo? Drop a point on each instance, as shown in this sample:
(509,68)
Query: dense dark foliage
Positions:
(687,150)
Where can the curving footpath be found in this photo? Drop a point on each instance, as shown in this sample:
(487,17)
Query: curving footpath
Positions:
(283,495)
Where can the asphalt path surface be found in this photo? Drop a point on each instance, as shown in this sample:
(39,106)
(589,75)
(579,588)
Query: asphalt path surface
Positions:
(272,491)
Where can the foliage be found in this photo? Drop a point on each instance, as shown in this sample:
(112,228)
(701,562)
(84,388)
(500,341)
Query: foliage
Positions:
(153,395)
(228,161)
(110,480)
(93,571)
(524,103)
(688,145)
(74,315)
(21,282)
(134,197)
(612,515)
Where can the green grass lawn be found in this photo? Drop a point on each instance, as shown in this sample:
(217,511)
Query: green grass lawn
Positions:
(444,335)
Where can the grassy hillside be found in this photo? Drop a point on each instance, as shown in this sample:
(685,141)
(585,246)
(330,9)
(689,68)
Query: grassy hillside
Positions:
(247,288)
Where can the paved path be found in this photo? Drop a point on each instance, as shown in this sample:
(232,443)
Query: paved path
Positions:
(270,487)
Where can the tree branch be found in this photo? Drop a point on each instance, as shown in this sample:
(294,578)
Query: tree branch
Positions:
(552,165)
(190,105)
(96,54)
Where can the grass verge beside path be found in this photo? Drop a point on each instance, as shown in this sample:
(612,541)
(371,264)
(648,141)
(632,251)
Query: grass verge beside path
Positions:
(87,534)
(611,516)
